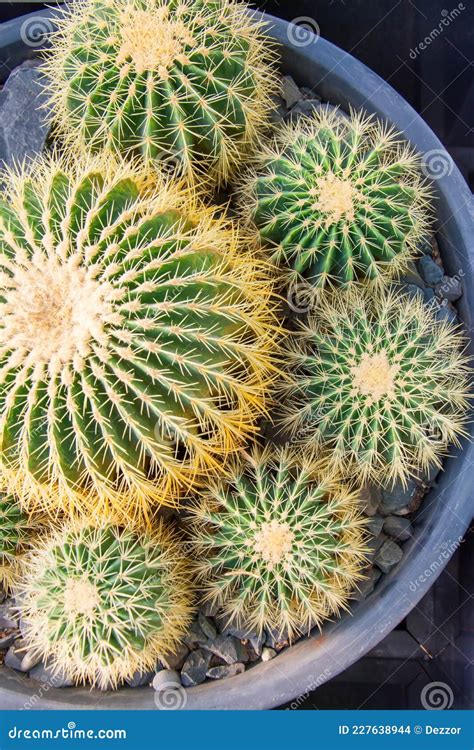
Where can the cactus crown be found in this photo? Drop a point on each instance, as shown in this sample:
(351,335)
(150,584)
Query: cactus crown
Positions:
(16,531)
(102,603)
(379,381)
(339,198)
(135,337)
(186,81)
(280,545)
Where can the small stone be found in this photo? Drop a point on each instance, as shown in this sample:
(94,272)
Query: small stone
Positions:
(429,294)
(374,525)
(367,585)
(226,670)
(194,636)
(210,609)
(268,653)
(309,93)
(227,648)
(8,638)
(254,647)
(397,499)
(278,111)
(238,630)
(166,679)
(43,673)
(29,661)
(373,545)
(140,679)
(176,659)
(195,668)
(370,498)
(398,527)
(429,270)
(207,626)
(450,288)
(303,108)
(388,556)
(14,657)
(446,313)
(24,127)
(290,92)
(7,615)
(276,639)
(413,291)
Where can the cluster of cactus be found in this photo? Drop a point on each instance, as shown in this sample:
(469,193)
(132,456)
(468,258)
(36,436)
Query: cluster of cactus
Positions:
(188,82)
(135,340)
(338,199)
(380,382)
(280,544)
(101,602)
(140,347)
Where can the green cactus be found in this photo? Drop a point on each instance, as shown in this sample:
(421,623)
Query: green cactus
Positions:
(338,199)
(16,533)
(380,382)
(102,603)
(186,81)
(135,338)
(280,545)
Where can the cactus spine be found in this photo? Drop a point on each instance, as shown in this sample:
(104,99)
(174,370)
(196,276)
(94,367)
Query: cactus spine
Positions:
(16,534)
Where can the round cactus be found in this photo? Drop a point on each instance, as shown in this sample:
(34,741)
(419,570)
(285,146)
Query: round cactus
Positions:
(379,381)
(135,338)
(16,531)
(188,82)
(102,603)
(339,199)
(280,545)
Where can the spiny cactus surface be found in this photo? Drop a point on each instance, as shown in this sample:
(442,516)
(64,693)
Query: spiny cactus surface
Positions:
(280,545)
(16,532)
(187,82)
(135,338)
(102,603)
(338,199)
(380,382)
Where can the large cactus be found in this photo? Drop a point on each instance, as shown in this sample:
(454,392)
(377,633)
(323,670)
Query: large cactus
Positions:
(338,199)
(186,81)
(280,544)
(135,334)
(102,603)
(380,382)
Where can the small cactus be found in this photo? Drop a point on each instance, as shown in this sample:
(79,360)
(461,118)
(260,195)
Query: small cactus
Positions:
(280,545)
(101,603)
(338,199)
(16,533)
(135,338)
(187,83)
(380,382)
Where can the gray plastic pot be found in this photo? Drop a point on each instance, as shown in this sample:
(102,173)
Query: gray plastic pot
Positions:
(447,510)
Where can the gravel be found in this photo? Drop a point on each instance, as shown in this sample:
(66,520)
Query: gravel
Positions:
(388,556)
(398,527)
(166,679)
(226,670)
(195,668)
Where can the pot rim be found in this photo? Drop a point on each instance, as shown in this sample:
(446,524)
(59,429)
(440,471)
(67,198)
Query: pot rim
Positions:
(447,509)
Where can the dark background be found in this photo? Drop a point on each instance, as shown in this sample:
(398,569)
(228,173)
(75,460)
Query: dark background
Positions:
(436,641)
